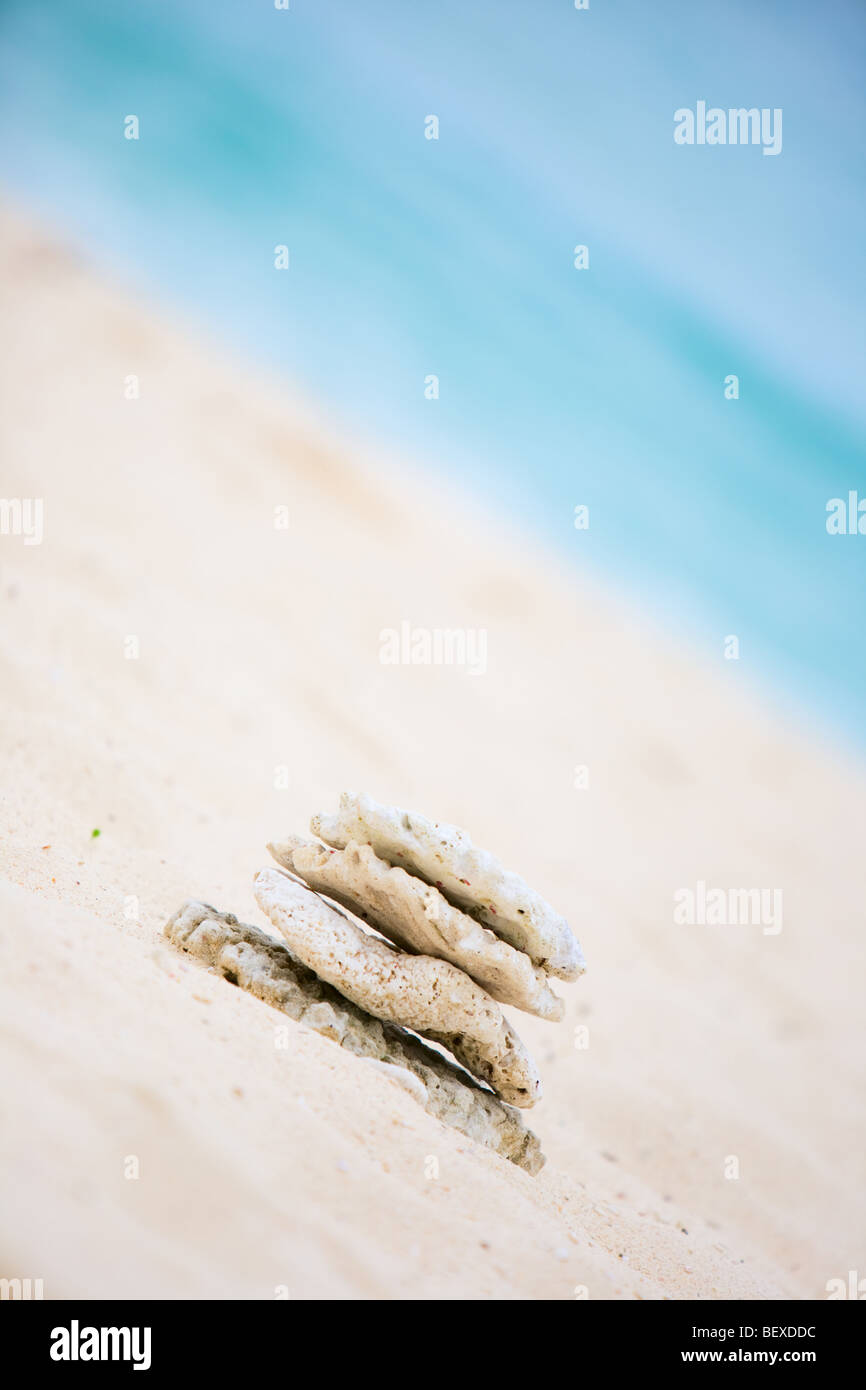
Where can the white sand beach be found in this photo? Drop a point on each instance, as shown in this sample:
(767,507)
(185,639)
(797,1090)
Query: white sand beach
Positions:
(304,1170)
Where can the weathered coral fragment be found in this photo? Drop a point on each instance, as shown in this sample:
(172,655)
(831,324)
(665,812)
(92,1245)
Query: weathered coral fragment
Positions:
(470,878)
(266,969)
(427,995)
(417,917)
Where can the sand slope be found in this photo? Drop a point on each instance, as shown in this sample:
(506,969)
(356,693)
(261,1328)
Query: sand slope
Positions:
(304,1168)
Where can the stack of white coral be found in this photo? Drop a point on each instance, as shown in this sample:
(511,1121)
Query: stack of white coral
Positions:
(469,934)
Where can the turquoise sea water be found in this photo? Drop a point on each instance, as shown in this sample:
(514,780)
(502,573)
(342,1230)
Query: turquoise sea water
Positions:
(454,257)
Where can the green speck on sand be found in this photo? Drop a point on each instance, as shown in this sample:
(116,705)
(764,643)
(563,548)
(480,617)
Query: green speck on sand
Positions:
(94,833)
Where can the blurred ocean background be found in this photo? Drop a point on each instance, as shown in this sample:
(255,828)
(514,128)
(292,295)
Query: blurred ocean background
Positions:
(454,257)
